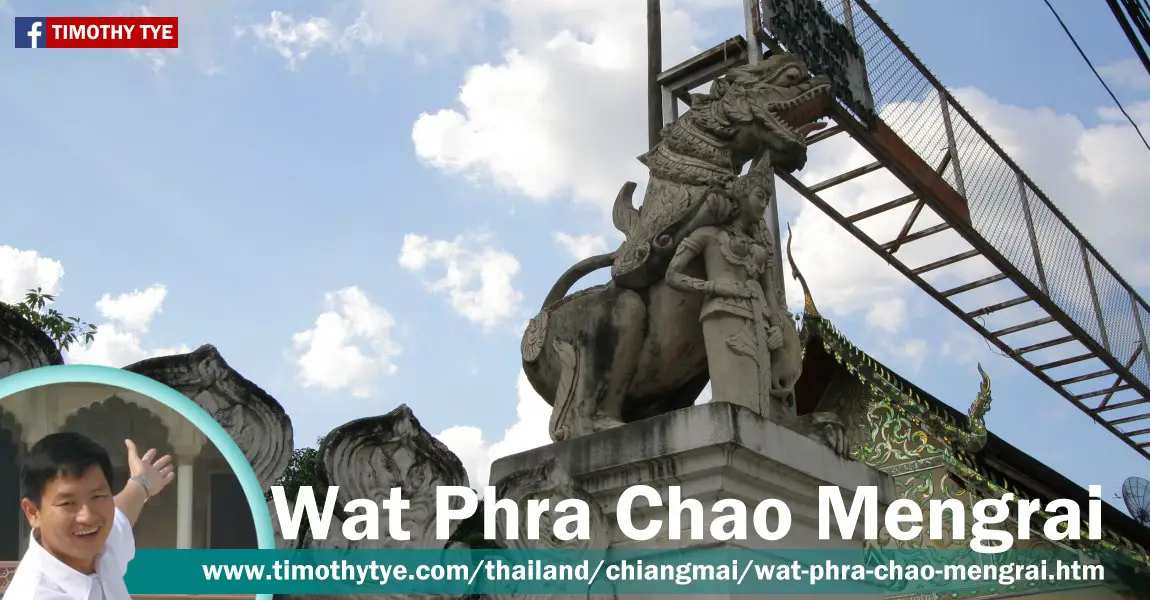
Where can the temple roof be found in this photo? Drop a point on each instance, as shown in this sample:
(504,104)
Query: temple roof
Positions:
(1000,466)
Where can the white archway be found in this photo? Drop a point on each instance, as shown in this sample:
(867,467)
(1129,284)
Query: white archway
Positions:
(109,422)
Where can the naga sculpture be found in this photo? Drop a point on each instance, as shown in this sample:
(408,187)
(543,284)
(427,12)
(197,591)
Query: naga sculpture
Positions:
(976,436)
(971,438)
(370,456)
(635,347)
(253,418)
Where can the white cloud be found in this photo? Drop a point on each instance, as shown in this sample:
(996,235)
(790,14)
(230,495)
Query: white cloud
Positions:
(22,270)
(296,40)
(887,315)
(203,33)
(478,278)
(1090,173)
(126,317)
(561,113)
(914,352)
(430,27)
(433,26)
(134,310)
(1108,155)
(114,347)
(582,246)
(1129,73)
(529,431)
(157,57)
(965,348)
(349,347)
(119,340)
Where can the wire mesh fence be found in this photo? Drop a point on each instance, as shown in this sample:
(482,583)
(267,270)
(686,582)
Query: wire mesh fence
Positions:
(1006,208)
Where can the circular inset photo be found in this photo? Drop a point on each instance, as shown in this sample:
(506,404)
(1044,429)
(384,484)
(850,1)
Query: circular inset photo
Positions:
(98,464)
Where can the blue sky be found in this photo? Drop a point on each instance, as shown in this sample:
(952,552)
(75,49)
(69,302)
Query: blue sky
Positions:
(360,213)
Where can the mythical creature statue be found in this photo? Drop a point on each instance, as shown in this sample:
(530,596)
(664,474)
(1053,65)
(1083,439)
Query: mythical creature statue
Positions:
(973,437)
(634,347)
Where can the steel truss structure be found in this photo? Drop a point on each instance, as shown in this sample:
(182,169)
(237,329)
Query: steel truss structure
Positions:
(1007,262)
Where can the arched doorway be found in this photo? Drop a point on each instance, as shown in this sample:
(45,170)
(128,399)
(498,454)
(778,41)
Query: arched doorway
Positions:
(111,421)
(11,517)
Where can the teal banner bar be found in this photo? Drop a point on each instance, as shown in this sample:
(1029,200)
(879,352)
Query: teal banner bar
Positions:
(706,571)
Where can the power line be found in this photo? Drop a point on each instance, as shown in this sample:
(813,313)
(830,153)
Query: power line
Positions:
(1096,74)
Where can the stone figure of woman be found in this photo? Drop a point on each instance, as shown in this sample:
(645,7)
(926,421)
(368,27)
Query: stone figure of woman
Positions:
(741,319)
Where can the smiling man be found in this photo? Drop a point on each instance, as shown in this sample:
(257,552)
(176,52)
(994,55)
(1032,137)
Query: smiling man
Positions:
(82,539)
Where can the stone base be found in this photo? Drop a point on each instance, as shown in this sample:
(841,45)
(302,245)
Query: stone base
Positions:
(711,452)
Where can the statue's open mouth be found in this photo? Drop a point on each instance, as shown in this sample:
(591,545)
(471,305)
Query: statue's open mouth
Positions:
(801,116)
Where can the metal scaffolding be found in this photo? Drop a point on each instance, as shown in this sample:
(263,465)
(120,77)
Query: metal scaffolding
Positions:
(1043,288)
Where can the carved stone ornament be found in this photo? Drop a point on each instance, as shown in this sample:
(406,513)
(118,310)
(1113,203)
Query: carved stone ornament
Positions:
(634,348)
(572,415)
(532,343)
(368,457)
(256,421)
(550,482)
(824,427)
(22,345)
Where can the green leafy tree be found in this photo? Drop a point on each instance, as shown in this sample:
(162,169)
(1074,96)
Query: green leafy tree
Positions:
(64,331)
(302,470)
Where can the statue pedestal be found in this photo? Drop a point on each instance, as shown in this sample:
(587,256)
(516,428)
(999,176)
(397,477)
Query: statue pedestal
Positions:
(712,452)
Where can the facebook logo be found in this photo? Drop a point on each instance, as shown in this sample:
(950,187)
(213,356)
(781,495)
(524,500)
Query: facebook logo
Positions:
(29,32)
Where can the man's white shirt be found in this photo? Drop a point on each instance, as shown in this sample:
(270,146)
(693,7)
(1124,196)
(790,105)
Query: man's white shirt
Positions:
(41,576)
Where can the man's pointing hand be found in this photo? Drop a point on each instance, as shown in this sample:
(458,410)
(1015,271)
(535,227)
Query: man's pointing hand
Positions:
(157,473)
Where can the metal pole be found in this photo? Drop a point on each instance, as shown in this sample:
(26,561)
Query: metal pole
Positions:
(753,24)
(951,142)
(1141,330)
(772,218)
(1094,294)
(1033,236)
(753,21)
(654,68)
